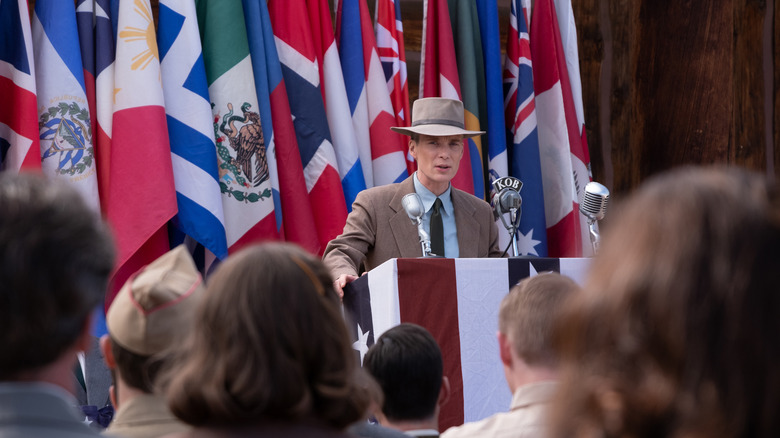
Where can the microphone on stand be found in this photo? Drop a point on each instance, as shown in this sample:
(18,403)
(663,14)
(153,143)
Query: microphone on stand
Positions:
(414,209)
(507,199)
(594,208)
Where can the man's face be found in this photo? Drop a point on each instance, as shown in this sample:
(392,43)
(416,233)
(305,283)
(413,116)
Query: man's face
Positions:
(438,159)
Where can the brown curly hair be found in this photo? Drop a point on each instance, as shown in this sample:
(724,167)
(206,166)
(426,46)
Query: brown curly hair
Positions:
(676,332)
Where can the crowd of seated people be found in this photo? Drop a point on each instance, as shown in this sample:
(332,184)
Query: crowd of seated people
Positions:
(672,333)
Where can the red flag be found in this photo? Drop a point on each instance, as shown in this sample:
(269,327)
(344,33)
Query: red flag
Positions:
(19,141)
(142,196)
(390,47)
(439,73)
(294,42)
(559,139)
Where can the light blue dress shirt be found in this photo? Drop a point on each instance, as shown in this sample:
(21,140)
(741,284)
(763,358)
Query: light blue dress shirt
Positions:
(451,249)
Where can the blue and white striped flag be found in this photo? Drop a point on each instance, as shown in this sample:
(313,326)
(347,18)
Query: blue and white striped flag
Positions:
(190,127)
(63,110)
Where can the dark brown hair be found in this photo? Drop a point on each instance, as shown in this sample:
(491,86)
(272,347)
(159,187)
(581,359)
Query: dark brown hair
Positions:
(55,259)
(269,344)
(138,371)
(406,362)
(528,312)
(676,332)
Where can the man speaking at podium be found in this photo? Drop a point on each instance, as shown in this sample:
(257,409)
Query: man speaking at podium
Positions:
(459,224)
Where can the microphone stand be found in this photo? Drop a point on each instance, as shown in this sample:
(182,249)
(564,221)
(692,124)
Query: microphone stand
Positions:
(595,238)
(515,218)
(511,227)
(425,239)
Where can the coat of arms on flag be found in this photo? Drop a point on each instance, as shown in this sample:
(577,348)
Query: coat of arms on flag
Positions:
(239,174)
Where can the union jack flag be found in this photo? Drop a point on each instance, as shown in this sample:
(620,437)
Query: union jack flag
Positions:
(520,116)
(390,47)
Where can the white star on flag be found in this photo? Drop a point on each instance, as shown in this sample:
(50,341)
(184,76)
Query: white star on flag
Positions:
(526,243)
(361,344)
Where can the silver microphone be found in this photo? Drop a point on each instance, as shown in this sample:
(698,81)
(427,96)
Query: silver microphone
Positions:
(594,208)
(507,199)
(413,207)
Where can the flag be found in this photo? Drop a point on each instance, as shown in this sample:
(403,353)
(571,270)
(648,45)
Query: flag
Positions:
(494,142)
(63,111)
(19,143)
(460,309)
(190,129)
(471,70)
(96,39)
(365,80)
(557,137)
(244,171)
(580,153)
(353,157)
(294,43)
(390,48)
(522,134)
(141,193)
(293,211)
(439,73)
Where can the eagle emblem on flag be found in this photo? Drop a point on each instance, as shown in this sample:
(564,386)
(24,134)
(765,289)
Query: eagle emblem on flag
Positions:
(248,168)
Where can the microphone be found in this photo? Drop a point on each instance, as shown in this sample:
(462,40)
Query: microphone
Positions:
(594,208)
(414,209)
(507,199)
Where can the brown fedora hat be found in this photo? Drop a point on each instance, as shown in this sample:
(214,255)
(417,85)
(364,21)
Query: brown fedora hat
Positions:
(437,116)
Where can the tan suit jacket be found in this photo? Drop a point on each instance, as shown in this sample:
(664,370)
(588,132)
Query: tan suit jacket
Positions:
(378,230)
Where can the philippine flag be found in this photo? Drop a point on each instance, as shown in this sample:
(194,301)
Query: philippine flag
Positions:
(142,196)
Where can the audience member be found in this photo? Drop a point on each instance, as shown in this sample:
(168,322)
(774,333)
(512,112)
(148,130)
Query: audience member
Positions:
(92,379)
(150,315)
(407,363)
(525,326)
(379,229)
(270,354)
(674,334)
(55,259)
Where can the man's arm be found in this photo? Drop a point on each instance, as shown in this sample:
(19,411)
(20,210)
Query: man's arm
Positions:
(344,254)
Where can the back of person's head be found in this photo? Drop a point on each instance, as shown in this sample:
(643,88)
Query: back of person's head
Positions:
(527,316)
(151,313)
(674,334)
(406,362)
(270,344)
(55,259)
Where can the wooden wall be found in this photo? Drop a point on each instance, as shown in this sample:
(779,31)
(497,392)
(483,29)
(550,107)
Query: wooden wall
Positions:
(674,82)
(667,83)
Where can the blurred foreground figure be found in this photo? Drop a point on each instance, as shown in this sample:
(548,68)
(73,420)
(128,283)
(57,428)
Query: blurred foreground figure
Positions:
(55,259)
(149,316)
(269,354)
(676,333)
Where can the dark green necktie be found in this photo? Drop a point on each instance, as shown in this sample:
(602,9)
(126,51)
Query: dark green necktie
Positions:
(437,229)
